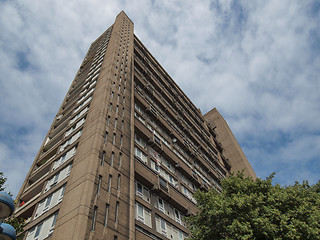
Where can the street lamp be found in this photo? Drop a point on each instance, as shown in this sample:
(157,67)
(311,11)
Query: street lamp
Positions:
(7,232)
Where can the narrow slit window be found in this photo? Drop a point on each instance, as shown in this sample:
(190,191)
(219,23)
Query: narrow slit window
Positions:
(108,121)
(120,158)
(118,182)
(102,157)
(109,183)
(106,213)
(106,138)
(99,184)
(111,158)
(94,216)
(121,140)
(114,139)
(116,212)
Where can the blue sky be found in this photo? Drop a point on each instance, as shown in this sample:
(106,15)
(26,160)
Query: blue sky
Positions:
(257,62)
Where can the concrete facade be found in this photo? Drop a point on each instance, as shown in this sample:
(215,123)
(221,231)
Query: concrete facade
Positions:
(125,152)
(232,149)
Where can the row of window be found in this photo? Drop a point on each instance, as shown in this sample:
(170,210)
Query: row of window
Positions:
(110,177)
(44,229)
(75,126)
(193,112)
(49,202)
(159,203)
(168,230)
(188,142)
(156,166)
(106,215)
(58,177)
(109,184)
(157,163)
(112,157)
(158,139)
(70,141)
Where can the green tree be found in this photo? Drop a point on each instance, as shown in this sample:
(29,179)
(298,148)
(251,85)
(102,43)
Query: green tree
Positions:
(2,181)
(18,224)
(257,209)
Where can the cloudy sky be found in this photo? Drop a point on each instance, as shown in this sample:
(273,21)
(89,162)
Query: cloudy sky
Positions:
(257,62)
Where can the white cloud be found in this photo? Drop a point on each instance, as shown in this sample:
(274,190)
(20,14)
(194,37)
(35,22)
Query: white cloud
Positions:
(257,62)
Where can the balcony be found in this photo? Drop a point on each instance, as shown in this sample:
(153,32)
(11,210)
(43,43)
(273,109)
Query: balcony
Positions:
(46,156)
(155,142)
(226,162)
(219,145)
(161,188)
(52,141)
(38,176)
(144,174)
(58,125)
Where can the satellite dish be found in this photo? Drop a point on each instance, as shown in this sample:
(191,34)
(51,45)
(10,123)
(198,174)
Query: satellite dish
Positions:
(7,232)
(6,205)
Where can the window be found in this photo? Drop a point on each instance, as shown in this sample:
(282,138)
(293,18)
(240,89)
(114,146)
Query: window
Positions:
(177,216)
(99,184)
(63,158)
(118,182)
(160,204)
(115,123)
(117,109)
(62,193)
(106,215)
(140,141)
(121,140)
(157,140)
(155,166)
(109,183)
(94,216)
(102,157)
(55,180)
(114,139)
(49,198)
(38,230)
(106,138)
(122,124)
(139,189)
(139,154)
(142,192)
(140,213)
(163,226)
(111,158)
(54,221)
(69,169)
(116,212)
(120,157)
(110,107)
(108,121)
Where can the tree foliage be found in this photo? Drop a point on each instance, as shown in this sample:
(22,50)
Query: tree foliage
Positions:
(2,181)
(257,209)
